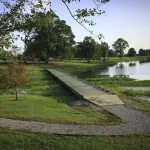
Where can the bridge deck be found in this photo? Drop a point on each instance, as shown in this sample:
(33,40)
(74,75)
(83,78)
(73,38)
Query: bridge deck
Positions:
(85,90)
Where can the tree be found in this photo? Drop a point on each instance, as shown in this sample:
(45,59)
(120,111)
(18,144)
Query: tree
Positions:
(68,53)
(98,52)
(4,41)
(13,77)
(79,50)
(119,46)
(87,48)
(14,17)
(50,41)
(5,55)
(131,53)
(104,49)
(111,53)
(17,75)
(143,52)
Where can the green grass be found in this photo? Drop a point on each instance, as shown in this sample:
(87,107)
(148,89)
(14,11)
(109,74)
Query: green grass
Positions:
(111,59)
(47,100)
(19,140)
(80,68)
(129,96)
(132,95)
(126,59)
(115,82)
(74,67)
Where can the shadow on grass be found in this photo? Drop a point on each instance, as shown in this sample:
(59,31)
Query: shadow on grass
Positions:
(50,86)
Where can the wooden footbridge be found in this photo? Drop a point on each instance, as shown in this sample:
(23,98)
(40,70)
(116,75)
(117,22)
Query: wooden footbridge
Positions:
(85,90)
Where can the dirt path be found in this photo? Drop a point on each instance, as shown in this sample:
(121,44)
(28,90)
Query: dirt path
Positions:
(138,122)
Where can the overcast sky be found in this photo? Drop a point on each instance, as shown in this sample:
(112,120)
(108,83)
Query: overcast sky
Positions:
(128,19)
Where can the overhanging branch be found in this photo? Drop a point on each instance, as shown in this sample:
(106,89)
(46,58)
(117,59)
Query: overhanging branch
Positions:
(91,32)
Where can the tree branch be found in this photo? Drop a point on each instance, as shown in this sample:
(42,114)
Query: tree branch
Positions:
(91,32)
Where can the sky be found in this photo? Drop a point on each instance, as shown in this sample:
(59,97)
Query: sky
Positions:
(127,19)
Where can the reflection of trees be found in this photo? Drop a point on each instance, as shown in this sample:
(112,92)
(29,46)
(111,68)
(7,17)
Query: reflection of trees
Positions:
(120,69)
(94,72)
(120,65)
(132,64)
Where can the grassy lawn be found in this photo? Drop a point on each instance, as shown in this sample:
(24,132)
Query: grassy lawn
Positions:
(75,67)
(80,68)
(32,141)
(47,100)
(126,59)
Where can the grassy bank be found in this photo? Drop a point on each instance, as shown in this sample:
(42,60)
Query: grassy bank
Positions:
(47,100)
(32,141)
(126,59)
(129,96)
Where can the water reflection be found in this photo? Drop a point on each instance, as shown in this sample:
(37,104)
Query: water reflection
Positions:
(136,70)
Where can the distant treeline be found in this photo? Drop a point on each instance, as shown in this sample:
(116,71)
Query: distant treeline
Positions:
(91,51)
(55,41)
(143,52)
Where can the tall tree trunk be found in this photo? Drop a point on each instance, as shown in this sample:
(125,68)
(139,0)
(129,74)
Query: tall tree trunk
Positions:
(88,60)
(16,91)
(46,61)
(104,59)
(25,61)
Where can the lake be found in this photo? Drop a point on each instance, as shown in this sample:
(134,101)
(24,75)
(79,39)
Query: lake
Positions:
(136,70)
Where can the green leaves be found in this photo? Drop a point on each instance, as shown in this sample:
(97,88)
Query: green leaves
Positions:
(119,46)
(69,1)
(87,48)
(104,50)
(14,17)
(131,52)
(51,39)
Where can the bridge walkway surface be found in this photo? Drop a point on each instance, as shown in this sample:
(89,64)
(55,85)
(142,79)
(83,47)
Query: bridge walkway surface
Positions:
(86,91)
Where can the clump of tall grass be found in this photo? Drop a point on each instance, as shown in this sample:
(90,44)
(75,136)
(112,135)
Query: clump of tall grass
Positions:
(129,92)
(118,81)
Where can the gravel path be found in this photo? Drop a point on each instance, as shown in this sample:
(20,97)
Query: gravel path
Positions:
(138,122)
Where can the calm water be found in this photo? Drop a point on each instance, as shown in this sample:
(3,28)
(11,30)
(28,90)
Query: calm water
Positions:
(139,71)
